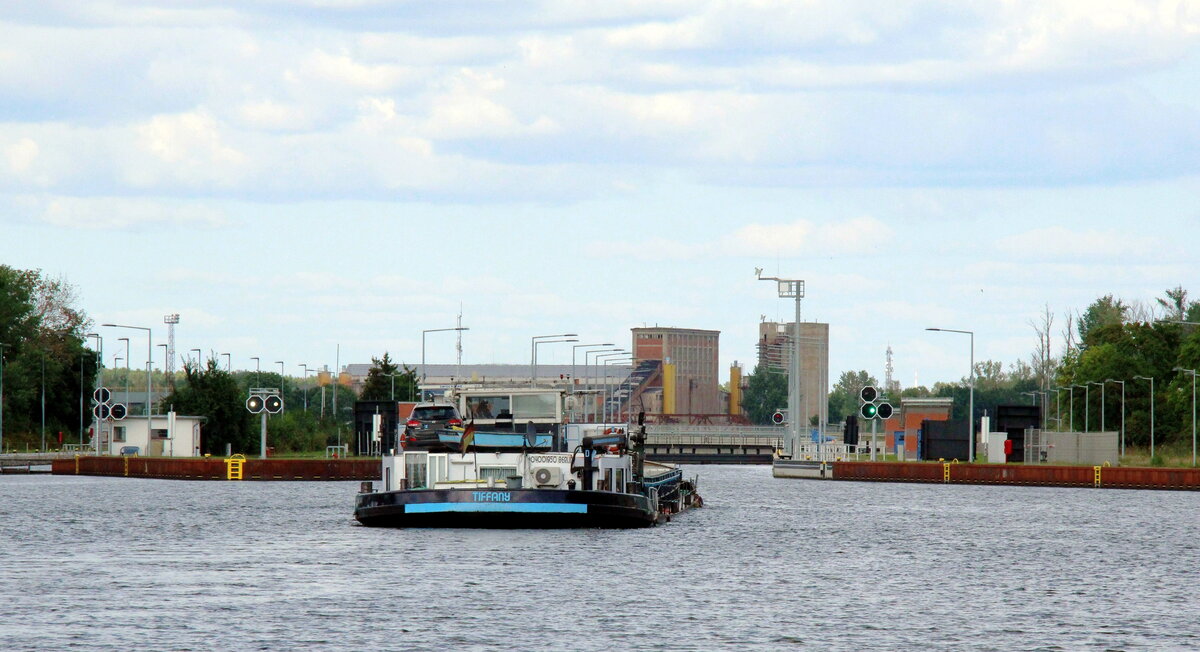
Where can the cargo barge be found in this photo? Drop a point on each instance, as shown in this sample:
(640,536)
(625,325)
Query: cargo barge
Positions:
(525,480)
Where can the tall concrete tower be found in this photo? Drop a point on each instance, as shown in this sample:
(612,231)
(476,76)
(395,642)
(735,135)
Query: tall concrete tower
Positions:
(169,367)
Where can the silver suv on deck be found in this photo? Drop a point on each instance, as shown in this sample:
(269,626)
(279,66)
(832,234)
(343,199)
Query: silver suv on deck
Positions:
(428,418)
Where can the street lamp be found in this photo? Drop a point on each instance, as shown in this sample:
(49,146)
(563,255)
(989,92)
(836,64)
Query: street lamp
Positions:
(149,375)
(609,395)
(1151,379)
(533,344)
(257,370)
(306,370)
(1058,406)
(228,362)
(282,384)
(96,383)
(1085,405)
(971,403)
(433,330)
(198,352)
(393,377)
(1193,373)
(1101,384)
(1032,397)
(1111,380)
(126,341)
(620,353)
(2,345)
(616,385)
(573,351)
(589,368)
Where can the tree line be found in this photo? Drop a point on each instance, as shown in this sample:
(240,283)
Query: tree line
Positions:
(1108,343)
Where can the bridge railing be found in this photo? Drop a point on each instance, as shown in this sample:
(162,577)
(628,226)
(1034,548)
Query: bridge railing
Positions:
(718,440)
(738,431)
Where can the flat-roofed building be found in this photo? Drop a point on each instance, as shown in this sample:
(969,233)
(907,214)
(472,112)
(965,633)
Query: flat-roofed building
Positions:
(692,356)
(774,350)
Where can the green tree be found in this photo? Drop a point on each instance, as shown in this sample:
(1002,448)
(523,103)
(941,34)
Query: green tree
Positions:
(1105,311)
(379,382)
(843,398)
(214,393)
(766,391)
(44,359)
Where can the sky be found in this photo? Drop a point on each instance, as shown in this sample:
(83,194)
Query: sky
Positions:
(291,177)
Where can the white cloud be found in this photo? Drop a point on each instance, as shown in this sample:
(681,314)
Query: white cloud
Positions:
(124,213)
(1058,242)
(756,240)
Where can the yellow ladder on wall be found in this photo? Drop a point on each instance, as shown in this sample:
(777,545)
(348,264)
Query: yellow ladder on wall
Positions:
(233,467)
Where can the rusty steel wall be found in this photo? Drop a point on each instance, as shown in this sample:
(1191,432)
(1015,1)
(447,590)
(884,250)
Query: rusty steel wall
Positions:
(1110,477)
(213,468)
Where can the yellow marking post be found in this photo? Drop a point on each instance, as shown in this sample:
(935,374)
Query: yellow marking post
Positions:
(946,472)
(233,467)
(76,464)
(127,466)
(1097,470)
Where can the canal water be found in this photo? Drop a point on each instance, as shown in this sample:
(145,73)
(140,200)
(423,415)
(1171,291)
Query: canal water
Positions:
(119,564)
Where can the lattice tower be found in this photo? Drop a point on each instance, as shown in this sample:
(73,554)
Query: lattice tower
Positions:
(170,321)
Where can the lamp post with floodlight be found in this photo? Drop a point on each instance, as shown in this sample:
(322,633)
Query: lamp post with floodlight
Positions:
(149,374)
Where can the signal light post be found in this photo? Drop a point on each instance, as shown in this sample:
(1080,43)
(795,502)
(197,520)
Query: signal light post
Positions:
(264,401)
(873,408)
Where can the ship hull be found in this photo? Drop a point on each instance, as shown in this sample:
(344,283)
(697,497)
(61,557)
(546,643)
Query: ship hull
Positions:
(504,508)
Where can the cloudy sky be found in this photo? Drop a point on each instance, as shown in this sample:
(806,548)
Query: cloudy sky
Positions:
(288,176)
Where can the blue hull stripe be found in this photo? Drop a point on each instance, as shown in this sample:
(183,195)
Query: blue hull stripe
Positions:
(548,508)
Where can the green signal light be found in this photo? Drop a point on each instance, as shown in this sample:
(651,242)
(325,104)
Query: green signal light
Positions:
(868,411)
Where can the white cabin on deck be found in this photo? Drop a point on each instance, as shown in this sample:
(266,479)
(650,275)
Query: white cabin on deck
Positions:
(166,435)
(425,470)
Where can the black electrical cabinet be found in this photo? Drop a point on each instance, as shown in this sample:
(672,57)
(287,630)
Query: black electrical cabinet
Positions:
(945,440)
(1013,420)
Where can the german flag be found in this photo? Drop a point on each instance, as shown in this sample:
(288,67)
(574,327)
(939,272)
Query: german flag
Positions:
(468,436)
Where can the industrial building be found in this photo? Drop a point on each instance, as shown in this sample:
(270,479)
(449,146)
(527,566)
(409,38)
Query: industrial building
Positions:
(689,360)
(775,349)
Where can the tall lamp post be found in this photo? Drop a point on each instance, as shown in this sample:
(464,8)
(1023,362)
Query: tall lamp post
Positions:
(543,339)
(306,370)
(198,352)
(1111,380)
(1101,384)
(228,362)
(603,371)
(149,375)
(589,367)
(574,350)
(621,358)
(282,384)
(786,288)
(434,330)
(1058,405)
(1151,379)
(96,384)
(1193,373)
(2,346)
(257,370)
(1085,405)
(971,400)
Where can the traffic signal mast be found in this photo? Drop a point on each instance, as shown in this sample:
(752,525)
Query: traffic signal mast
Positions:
(872,407)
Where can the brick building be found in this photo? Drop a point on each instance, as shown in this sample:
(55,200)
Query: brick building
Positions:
(692,357)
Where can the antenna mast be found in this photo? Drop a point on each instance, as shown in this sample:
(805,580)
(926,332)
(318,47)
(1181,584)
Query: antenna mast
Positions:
(170,321)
